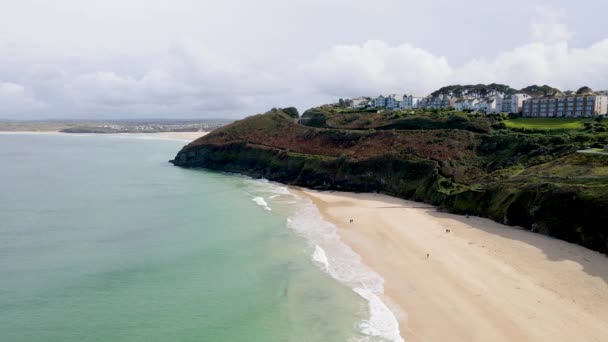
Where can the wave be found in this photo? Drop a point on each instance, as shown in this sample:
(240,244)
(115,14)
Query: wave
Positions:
(320,257)
(335,258)
(344,265)
(261,202)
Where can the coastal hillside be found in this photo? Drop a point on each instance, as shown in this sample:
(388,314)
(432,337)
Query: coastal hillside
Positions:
(525,172)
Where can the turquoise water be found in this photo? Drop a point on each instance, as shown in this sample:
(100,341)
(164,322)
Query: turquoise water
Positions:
(102,240)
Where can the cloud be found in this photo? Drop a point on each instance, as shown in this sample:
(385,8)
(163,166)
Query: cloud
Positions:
(16,100)
(199,64)
(557,64)
(547,25)
(375,66)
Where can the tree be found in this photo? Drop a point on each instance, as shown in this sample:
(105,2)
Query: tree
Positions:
(584,90)
(291,111)
(544,90)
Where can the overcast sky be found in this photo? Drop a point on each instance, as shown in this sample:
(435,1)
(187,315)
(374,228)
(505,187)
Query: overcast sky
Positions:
(232,58)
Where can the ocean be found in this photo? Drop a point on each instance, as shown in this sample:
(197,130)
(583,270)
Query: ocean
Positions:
(101,239)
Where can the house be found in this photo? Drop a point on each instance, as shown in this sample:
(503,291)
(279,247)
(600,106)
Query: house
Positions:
(493,104)
(379,102)
(489,105)
(393,101)
(465,104)
(410,102)
(438,102)
(359,102)
(470,104)
(460,104)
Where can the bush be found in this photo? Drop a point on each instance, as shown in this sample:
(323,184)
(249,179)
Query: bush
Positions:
(292,111)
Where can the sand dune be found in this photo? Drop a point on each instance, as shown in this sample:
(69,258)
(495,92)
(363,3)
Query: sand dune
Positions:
(482,281)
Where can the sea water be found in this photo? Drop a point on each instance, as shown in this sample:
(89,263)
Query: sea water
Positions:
(101,239)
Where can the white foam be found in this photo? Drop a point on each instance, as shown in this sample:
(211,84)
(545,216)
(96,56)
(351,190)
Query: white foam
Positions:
(382,322)
(261,202)
(319,256)
(335,258)
(344,265)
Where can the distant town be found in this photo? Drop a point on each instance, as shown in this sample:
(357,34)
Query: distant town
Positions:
(114,126)
(532,101)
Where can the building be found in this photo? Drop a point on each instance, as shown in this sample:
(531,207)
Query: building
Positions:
(359,102)
(379,102)
(438,102)
(460,104)
(567,106)
(410,102)
(466,104)
(393,101)
(493,104)
(512,103)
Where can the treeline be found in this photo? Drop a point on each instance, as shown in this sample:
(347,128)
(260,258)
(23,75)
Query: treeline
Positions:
(485,90)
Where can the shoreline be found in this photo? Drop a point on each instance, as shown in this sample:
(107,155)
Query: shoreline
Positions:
(482,280)
(180,136)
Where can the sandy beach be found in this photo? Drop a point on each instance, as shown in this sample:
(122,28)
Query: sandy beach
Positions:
(481,281)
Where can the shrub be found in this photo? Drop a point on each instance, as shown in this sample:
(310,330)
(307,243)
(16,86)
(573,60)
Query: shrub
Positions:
(291,111)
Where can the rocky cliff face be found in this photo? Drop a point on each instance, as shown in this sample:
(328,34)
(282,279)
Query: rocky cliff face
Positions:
(507,178)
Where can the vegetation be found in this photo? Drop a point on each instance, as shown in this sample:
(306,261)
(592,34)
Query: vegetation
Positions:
(523,172)
(477,90)
(484,90)
(544,90)
(584,90)
(545,123)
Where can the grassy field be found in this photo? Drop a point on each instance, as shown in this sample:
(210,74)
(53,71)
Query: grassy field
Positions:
(546,123)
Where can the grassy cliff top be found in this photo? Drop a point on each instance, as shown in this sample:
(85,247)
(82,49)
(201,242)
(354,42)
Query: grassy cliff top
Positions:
(469,148)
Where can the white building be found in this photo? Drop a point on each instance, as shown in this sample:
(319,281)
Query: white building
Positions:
(359,102)
(489,105)
(512,103)
(460,104)
(466,104)
(439,102)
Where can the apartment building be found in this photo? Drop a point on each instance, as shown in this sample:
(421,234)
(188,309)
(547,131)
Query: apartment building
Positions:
(567,106)
(512,103)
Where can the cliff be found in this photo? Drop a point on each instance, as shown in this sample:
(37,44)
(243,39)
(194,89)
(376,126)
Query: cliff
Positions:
(464,163)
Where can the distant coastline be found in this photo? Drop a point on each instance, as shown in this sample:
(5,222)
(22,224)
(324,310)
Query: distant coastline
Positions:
(181,136)
(113,126)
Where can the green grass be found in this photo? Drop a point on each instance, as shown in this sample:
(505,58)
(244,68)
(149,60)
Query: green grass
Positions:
(545,123)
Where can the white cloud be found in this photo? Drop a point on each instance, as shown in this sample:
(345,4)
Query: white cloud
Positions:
(375,66)
(218,58)
(547,25)
(16,101)
(556,64)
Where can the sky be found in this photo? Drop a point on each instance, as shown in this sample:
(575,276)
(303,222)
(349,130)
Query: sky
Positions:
(232,58)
